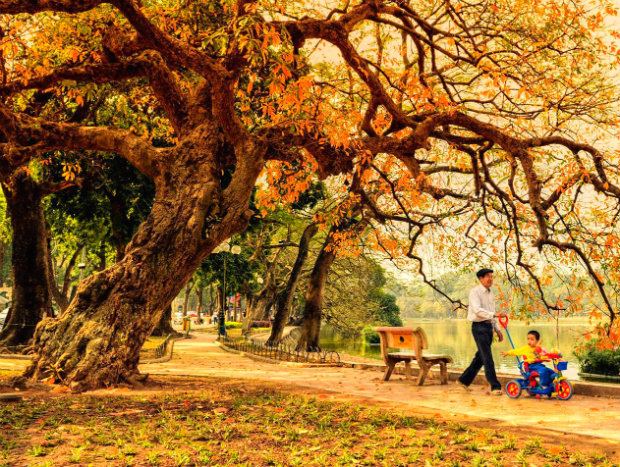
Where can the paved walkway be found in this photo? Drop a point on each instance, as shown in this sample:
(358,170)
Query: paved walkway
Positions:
(202,356)
(598,417)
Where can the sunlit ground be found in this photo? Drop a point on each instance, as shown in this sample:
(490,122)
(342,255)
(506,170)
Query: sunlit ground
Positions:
(209,422)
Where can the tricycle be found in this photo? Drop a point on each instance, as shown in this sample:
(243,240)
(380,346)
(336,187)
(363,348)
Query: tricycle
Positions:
(560,387)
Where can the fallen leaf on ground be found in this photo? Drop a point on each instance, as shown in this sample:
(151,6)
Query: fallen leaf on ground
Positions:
(126,412)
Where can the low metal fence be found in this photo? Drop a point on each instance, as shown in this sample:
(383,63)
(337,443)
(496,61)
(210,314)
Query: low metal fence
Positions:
(282,352)
(166,346)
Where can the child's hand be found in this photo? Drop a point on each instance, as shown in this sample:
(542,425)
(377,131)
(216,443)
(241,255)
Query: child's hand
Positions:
(504,353)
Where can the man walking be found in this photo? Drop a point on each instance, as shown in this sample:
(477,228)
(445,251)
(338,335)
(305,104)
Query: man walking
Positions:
(482,314)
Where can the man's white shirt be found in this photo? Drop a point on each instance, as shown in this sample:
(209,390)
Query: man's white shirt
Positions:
(482,306)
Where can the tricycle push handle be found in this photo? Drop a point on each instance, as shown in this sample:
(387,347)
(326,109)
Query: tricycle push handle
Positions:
(503,320)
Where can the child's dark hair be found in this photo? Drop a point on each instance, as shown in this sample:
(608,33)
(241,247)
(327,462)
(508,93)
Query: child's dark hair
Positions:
(536,334)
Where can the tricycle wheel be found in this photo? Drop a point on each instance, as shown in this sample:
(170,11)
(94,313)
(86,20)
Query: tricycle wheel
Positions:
(564,390)
(513,389)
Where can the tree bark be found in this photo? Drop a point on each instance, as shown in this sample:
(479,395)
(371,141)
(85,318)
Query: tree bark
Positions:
(211,299)
(164,327)
(188,289)
(3,248)
(284,301)
(200,294)
(235,308)
(311,324)
(259,305)
(101,256)
(31,298)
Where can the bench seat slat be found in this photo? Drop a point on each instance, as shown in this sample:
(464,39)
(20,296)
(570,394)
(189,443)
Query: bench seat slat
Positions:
(426,356)
(402,354)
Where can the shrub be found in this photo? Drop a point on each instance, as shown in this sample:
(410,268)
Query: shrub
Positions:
(595,360)
(370,335)
(261,324)
(233,325)
(389,312)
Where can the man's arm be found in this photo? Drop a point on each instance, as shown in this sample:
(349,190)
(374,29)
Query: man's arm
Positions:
(497,330)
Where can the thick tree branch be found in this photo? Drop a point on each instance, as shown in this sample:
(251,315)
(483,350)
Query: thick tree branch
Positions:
(32,136)
(13,7)
(100,73)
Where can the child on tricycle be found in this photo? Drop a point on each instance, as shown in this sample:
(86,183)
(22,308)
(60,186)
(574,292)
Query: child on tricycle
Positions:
(537,378)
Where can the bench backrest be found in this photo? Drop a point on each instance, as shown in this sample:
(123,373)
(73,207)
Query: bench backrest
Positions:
(402,338)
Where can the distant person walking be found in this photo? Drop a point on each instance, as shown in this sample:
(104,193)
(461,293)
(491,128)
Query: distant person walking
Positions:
(482,314)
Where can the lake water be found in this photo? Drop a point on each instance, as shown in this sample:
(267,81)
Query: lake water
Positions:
(453,337)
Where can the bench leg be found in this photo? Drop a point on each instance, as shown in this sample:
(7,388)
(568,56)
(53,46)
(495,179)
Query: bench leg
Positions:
(407,369)
(388,370)
(423,373)
(443,368)
(444,372)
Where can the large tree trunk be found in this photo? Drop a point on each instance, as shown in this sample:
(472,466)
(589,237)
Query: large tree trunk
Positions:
(259,306)
(236,307)
(164,327)
(3,248)
(61,297)
(211,299)
(311,324)
(200,294)
(31,298)
(97,341)
(284,301)
(101,256)
(188,289)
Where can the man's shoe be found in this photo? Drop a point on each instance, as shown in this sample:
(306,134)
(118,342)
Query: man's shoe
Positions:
(463,385)
(496,392)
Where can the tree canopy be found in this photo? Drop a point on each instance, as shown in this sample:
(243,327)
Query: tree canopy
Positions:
(475,125)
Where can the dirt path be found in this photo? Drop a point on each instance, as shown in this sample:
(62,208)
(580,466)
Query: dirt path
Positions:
(598,417)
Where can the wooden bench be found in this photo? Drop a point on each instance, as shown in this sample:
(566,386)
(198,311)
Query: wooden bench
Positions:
(410,344)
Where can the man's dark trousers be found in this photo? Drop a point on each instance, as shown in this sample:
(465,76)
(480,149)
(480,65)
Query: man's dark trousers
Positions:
(483,335)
